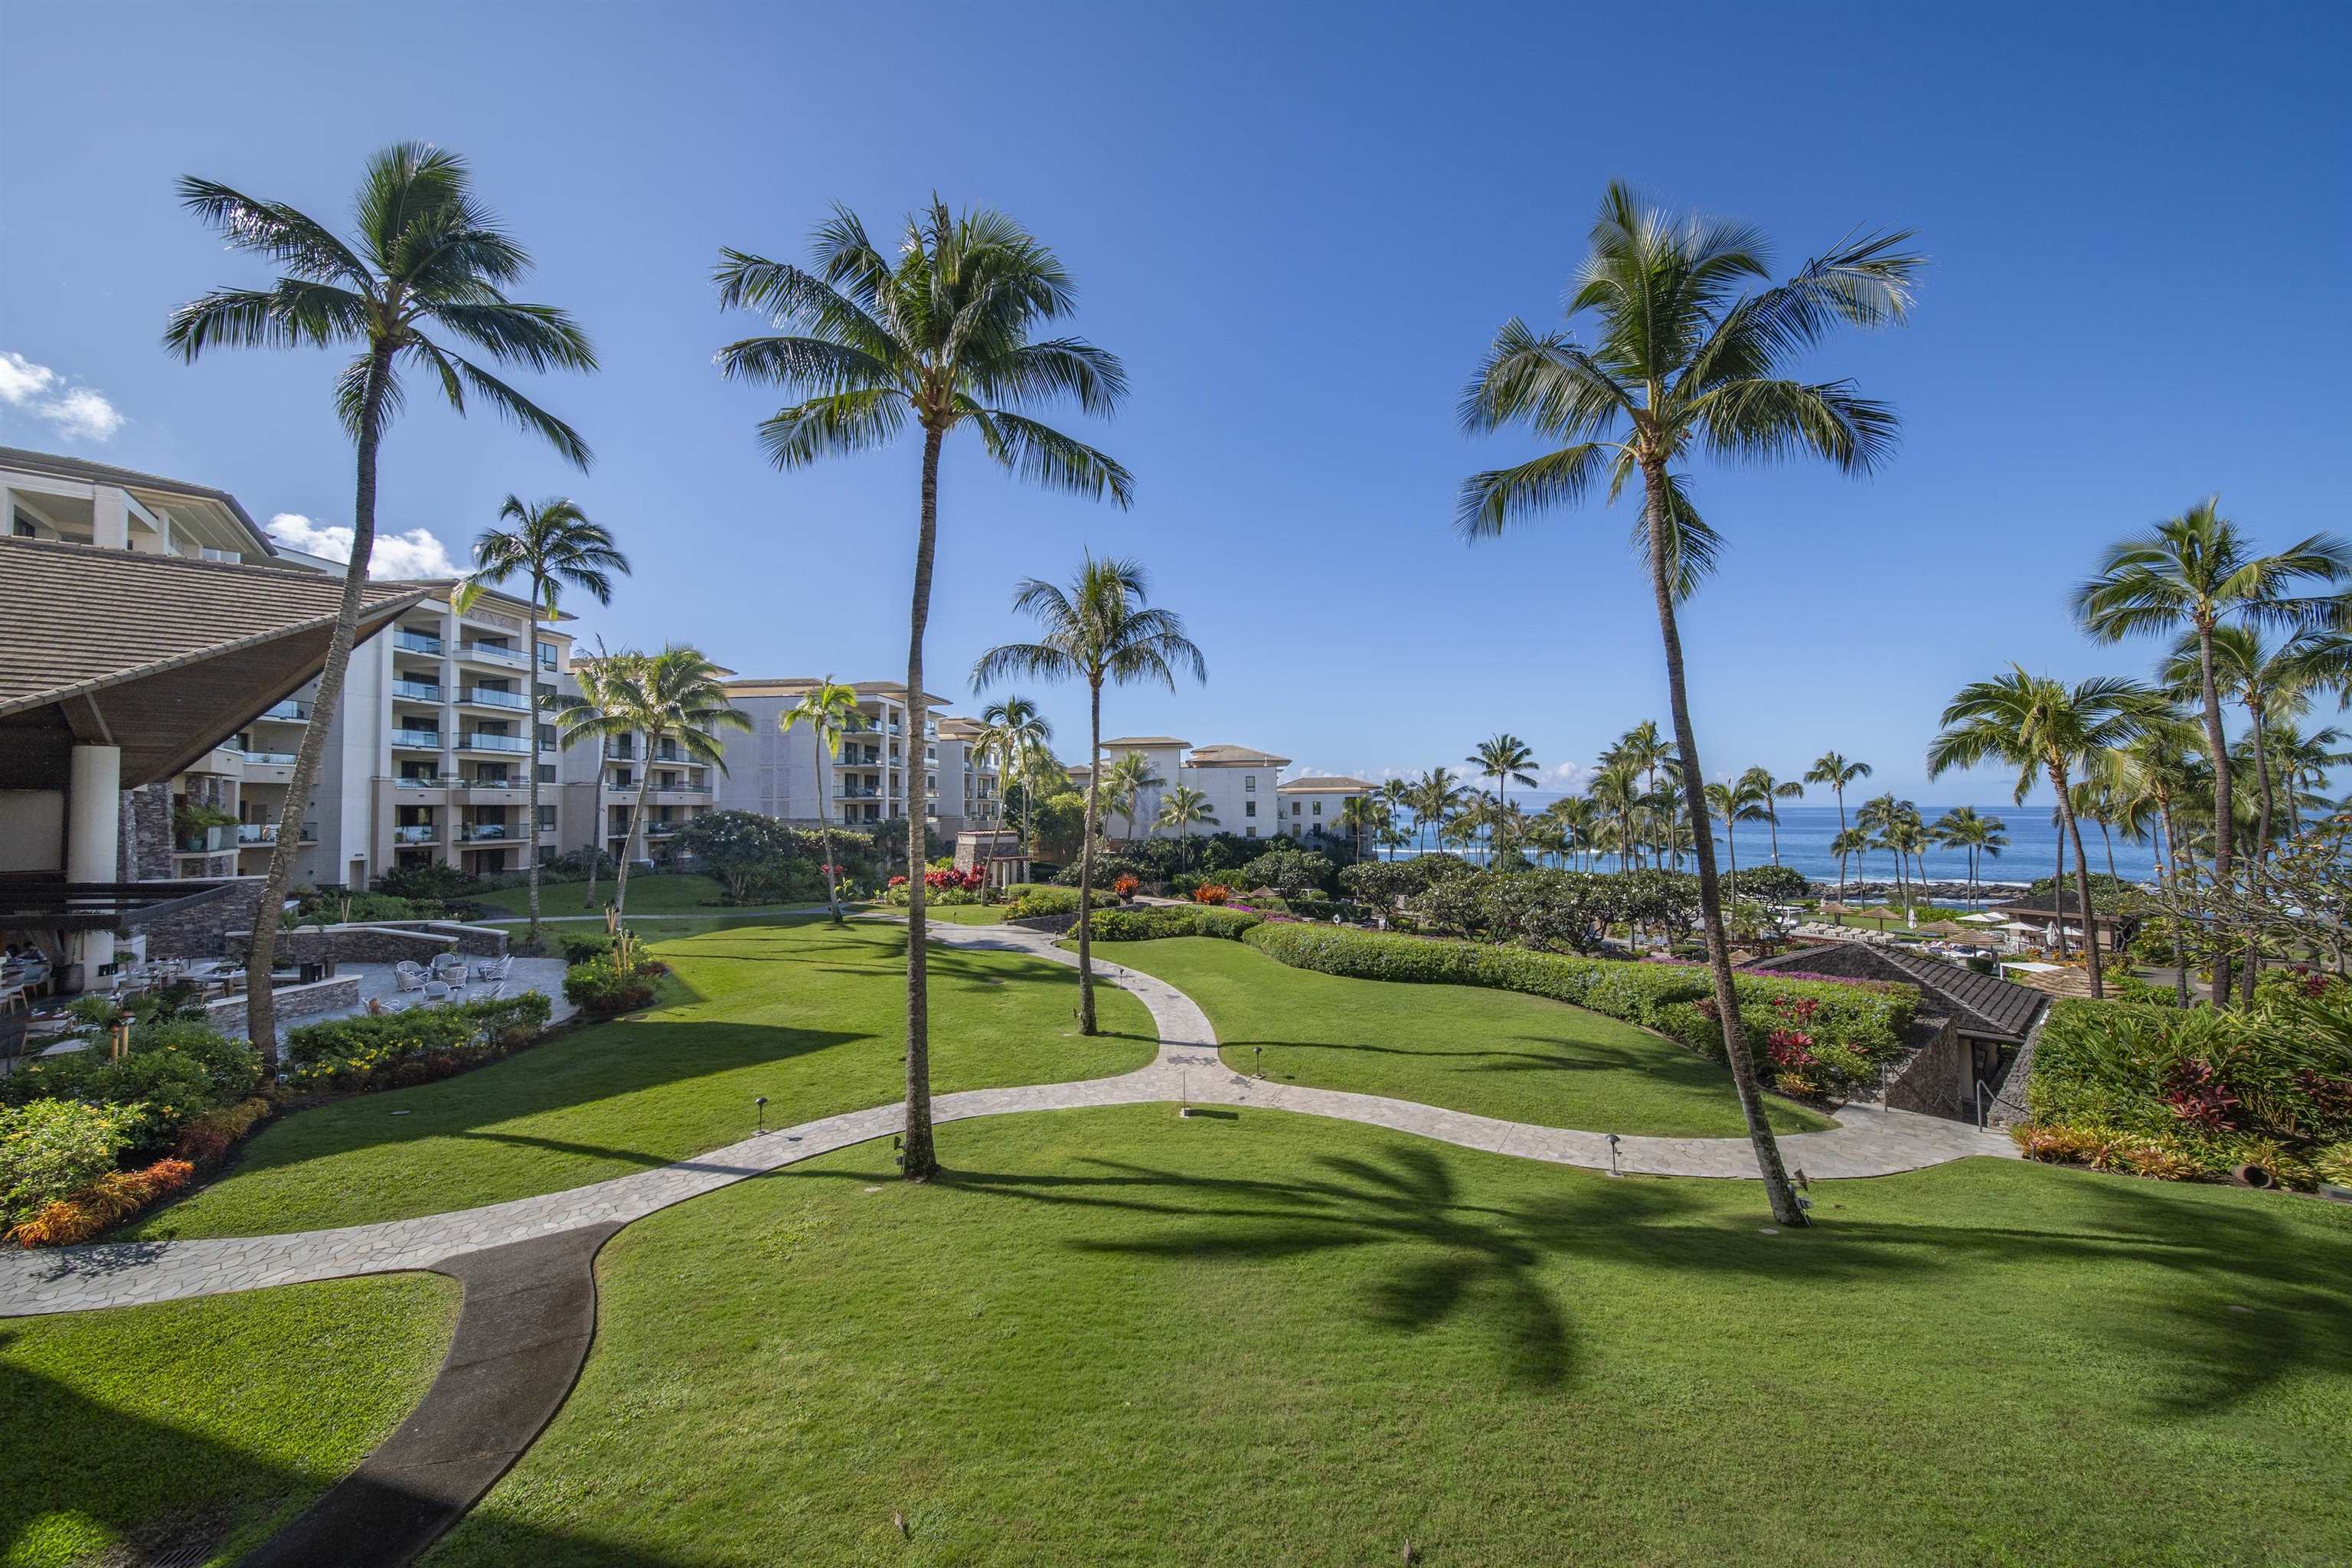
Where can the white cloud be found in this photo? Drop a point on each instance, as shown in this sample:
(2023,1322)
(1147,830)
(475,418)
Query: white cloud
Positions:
(416,554)
(82,413)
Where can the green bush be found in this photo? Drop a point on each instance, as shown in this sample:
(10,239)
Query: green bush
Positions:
(580,946)
(390,1050)
(1147,922)
(603,987)
(1028,899)
(52,1147)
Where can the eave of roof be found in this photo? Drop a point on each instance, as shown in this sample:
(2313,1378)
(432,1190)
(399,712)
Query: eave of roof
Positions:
(1331,783)
(61,467)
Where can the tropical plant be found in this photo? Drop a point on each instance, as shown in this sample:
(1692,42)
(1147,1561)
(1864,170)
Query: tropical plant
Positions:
(2188,576)
(1834,771)
(1769,793)
(1184,808)
(427,254)
(1505,759)
(1682,362)
(942,338)
(1737,802)
(1889,822)
(1436,796)
(1962,829)
(1100,628)
(1017,735)
(1849,842)
(1124,782)
(1363,816)
(829,708)
(2045,729)
(676,695)
(552,546)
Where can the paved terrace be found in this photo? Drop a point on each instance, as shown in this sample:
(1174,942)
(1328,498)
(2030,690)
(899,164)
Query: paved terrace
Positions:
(108,1274)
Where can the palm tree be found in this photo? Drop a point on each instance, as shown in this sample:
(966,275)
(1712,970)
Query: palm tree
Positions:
(1574,816)
(1436,796)
(675,695)
(1124,782)
(2042,727)
(940,339)
(1505,759)
(1834,771)
(1736,803)
(1643,750)
(1184,808)
(1015,733)
(1771,792)
(1615,791)
(427,254)
(1886,817)
(2156,777)
(1362,816)
(1101,628)
(1962,829)
(1683,363)
(599,680)
(1849,841)
(2189,575)
(829,708)
(2271,683)
(551,544)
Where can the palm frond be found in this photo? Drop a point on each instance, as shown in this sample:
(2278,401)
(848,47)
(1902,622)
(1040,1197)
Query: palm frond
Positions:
(282,233)
(295,313)
(1044,456)
(833,426)
(459,375)
(540,336)
(1771,420)
(814,364)
(1492,500)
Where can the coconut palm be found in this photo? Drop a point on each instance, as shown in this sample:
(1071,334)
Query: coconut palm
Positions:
(1124,782)
(676,695)
(2156,778)
(1184,808)
(1362,816)
(1574,816)
(1505,759)
(1736,802)
(940,338)
(427,254)
(1683,363)
(829,708)
(1888,820)
(1834,771)
(1017,735)
(1850,841)
(2045,729)
(1436,796)
(552,546)
(1962,829)
(1617,794)
(2188,576)
(2271,681)
(1771,792)
(1100,628)
(2303,764)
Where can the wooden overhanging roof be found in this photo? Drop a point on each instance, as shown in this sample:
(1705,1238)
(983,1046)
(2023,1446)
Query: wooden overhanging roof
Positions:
(160,654)
(1980,1004)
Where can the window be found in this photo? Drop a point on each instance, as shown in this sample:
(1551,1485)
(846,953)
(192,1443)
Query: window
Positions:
(547,819)
(547,773)
(623,778)
(547,737)
(1249,809)
(1295,809)
(547,656)
(1319,808)
(1249,833)
(1249,783)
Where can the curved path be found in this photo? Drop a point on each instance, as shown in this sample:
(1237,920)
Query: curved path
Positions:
(1868,1143)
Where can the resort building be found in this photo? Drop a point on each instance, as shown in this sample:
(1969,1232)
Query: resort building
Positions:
(604,787)
(1239,782)
(872,780)
(1311,808)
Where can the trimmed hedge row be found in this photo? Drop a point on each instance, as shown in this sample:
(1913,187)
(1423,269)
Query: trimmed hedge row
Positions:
(1148,922)
(394,1050)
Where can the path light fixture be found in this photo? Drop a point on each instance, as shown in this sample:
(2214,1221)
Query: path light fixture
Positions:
(1257,1053)
(898,1150)
(760,1109)
(1613,1171)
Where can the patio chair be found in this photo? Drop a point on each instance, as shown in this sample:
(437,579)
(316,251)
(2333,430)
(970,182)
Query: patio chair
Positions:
(436,991)
(408,975)
(447,965)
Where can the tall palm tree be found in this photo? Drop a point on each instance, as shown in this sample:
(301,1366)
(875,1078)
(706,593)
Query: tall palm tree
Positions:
(676,695)
(1834,771)
(1184,808)
(1505,759)
(2156,777)
(1849,841)
(1886,818)
(1736,803)
(2269,681)
(1616,792)
(1573,815)
(1436,796)
(598,679)
(941,338)
(1683,363)
(1362,816)
(2048,729)
(1124,782)
(1771,792)
(1101,628)
(830,710)
(1015,733)
(552,546)
(427,254)
(1643,750)
(2188,576)
(1962,829)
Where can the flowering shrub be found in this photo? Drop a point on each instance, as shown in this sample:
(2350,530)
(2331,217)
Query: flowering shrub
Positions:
(607,987)
(396,1049)
(1151,921)
(1212,893)
(1124,885)
(52,1147)
(108,1201)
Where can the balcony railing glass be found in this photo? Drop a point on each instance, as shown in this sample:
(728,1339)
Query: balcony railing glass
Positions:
(288,712)
(418,642)
(269,759)
(267,833)
(417,833)
(416,691)
(477,740)
(486,698)
(486,780)
(492,655)
(423,781)
(483,832)
(428,739)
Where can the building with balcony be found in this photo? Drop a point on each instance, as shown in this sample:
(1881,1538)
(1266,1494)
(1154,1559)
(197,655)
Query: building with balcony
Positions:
(1239,782)
(1309,808)
(607,782)
(882,773)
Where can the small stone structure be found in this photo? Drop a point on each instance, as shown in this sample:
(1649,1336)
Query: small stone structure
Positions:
(383,941)
(997,851)
(200,925)
(293,1003)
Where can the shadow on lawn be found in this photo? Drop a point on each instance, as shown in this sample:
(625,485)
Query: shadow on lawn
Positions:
(2190,1256)
(162,1489)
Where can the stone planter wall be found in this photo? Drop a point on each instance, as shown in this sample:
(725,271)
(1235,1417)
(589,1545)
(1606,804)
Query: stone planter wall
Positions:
(293,1003)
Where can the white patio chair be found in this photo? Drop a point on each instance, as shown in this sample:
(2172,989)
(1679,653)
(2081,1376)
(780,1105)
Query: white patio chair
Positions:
(436,991)
(408,975)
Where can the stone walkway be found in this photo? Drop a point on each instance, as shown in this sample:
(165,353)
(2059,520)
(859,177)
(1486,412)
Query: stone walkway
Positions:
(111,1274)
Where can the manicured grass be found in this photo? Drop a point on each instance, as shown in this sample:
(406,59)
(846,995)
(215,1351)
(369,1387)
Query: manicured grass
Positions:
(648,894)
(954,915)
(1113,1337)
(214,1419)
(1492,1053)
(809,1015)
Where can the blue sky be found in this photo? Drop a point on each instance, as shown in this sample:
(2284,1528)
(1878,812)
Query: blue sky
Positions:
(1298,226)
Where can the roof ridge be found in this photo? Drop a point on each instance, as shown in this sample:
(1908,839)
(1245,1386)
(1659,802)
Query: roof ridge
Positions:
(241,568)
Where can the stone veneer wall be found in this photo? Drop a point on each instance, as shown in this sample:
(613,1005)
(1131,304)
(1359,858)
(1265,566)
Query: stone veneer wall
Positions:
(145,849)
(199,925)
(1928,1080)
(292,1003)
(383,941)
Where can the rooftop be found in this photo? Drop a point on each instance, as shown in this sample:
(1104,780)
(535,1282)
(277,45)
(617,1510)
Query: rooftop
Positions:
(801,685)
(1146,741)
(58,466)
(1235,756)
(1983,1004)
(1327,784)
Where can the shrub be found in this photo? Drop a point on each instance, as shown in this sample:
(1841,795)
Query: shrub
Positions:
(1126,884)
(1029,901)
(1291,872)
(52,1147)
(1383,884)
(605,987)
(393,1049)
(1212,893)
(1773,884)
(208,1137)
(1155,920)
(431,881)
(108,1201)
(580,947)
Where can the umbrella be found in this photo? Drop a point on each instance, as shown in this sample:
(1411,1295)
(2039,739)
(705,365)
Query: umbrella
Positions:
(1947,928)
(1986,920)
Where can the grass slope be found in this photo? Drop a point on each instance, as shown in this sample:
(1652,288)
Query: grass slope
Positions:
(1111,1337)
(215,1418)
(811,1015)
(1492,1053)
(647,895)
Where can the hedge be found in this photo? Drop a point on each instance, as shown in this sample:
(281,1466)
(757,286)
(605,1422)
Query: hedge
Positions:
(1148,922)
(392,1050)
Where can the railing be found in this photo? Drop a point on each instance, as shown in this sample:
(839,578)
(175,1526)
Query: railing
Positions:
(416,691)
(484,651)
(847,794)
(270,759)
(482,741)
(662,829)
(482,832)
(479,782)
(428,740)
(204,841)
(288,712)
(620,751)
(418,642)
(417,833)
(267,833)
(423,781)
(485,697)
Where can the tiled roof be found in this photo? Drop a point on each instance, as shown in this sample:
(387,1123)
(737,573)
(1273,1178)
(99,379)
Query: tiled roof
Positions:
(1228,756)
(1983,1004)
(76,619)
(1328,783)
(82,468)
(1146,741)
(2047,904)
(800,685)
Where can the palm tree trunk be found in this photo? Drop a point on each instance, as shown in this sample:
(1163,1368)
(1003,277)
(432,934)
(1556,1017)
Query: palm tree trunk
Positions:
(2058,888)
(2172,876)
(825,825)
(2071,828)
(2262,844)
(539,600)
(1782,1197)
(921,1159)
(1087,860)
(2218,749)
(636,826)
(1772,816)
(261,1009)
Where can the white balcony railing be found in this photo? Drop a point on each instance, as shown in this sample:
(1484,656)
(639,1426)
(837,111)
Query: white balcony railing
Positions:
(478,741)
(416,833)
(483,696)
(417,642)
(416,691)
(489,655)
(421,739)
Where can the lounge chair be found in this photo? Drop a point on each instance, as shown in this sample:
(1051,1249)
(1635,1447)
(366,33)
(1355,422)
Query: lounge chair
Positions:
(408,975)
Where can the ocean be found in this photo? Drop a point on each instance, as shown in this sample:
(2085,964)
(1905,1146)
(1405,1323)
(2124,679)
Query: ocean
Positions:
(1806,831)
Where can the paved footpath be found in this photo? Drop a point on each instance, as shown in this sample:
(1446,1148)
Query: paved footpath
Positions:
(1867,1143)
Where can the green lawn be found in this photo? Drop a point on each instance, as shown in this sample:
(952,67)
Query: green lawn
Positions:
(1493,1053)
(1113,1337)
(649,895)
(210,1420)
(954,915)
(811,1015)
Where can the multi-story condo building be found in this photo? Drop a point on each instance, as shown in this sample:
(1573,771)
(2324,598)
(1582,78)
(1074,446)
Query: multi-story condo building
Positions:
(606,782)
(875,779)
(1309,808)
(1240,783)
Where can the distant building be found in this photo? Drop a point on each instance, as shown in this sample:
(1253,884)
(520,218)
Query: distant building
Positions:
(1240,783)
(1311,808)
(875,777)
